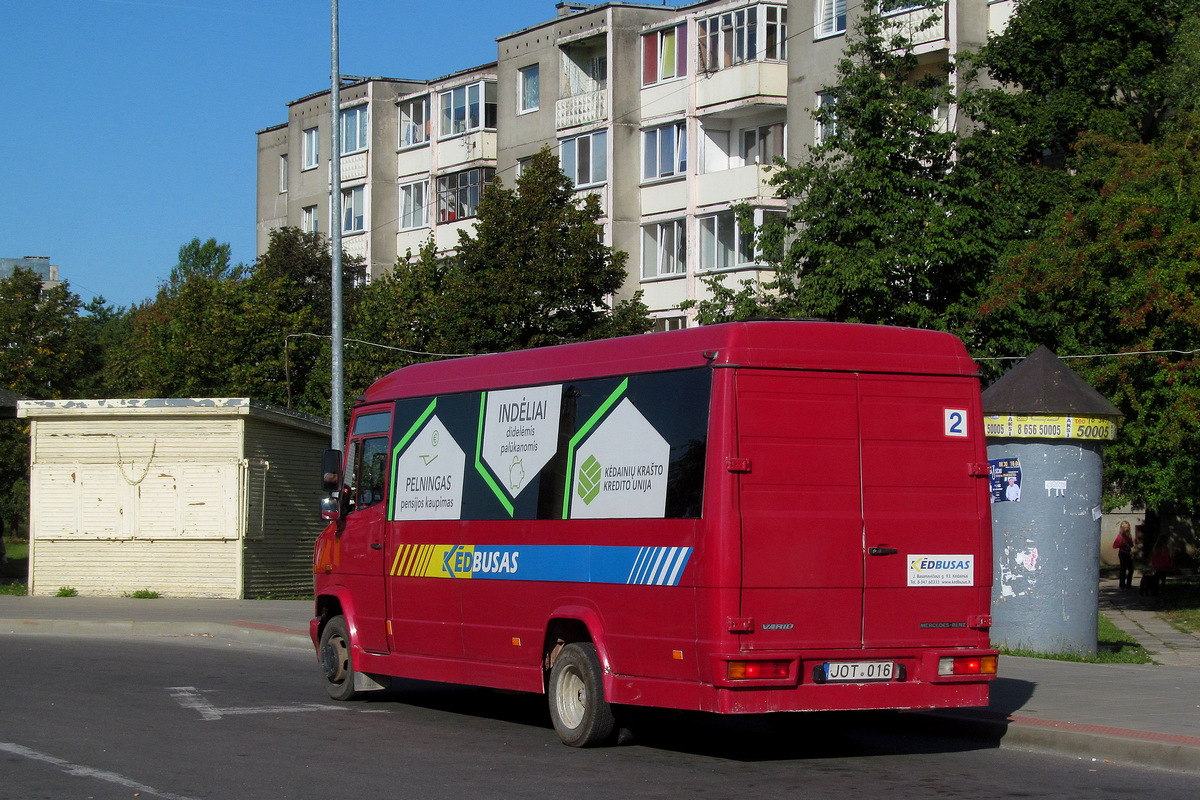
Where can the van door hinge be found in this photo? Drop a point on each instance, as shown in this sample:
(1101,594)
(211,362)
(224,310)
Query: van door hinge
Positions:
(741,625)
(979,469)
(737,464)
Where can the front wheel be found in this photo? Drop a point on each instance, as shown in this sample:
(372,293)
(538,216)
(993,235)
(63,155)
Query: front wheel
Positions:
(334,655)
(581,715)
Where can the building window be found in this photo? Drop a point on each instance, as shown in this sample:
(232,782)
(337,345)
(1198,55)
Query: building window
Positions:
(414,122)
(897,6)
(283,173)
(468,108)
(528,89)
(724,245)
(664,249)
(764,144)
(664,151)
(354,130)
(458,194)
(414,205)
(830,17)
(585,158)
(664,324)
(664,55)
(826,118)
(734,37)
(311,148)
(308,219)
(776,34)
(354,205)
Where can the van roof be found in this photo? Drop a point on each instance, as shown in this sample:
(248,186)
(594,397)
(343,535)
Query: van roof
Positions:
(791,344)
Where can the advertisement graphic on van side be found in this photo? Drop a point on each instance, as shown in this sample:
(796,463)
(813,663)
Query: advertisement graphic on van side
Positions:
(606,448)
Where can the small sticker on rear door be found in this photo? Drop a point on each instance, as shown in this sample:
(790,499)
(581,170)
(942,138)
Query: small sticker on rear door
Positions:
(939,570)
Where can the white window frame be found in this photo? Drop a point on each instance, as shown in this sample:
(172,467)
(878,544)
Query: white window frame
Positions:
(354,209)
(773,134)
(664,249)
(823,131)
(671,40)
(898,8)
(414,205)
(738,251)
(413,120)
(309,219)
(591,170)
(355,129)
(755,32)
(283,173)
(829,18)
(664,151)
(458,193)
(311,140)
(467,108)
(528,78)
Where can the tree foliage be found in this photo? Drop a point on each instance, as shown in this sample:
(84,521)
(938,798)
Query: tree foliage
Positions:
(1119,272)
(535,271)
(46,352)
(884,223)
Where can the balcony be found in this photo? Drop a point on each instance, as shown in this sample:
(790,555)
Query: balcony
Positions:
(731,185)
(760,81)
(354,166)
(581,109)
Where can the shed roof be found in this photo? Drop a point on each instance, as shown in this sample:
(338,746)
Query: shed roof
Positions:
(1043,384)
(172,406)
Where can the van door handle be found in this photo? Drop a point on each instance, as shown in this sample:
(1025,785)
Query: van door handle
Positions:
(377,545)
(882,551)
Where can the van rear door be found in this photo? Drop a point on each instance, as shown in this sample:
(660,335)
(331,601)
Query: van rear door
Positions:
(862,525)
(925,496)
(801,507)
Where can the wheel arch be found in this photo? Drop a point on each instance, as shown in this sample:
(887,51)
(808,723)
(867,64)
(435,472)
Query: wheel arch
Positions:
(574,623)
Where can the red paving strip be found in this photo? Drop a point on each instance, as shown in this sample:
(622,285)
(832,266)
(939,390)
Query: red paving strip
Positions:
(260,626)
(1171,738)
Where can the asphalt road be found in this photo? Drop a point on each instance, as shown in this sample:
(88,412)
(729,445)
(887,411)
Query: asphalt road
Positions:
(186,719)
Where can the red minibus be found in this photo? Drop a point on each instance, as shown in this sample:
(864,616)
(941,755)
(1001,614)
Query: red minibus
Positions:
(763,516)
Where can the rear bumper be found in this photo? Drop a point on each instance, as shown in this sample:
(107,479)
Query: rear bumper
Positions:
(914,682)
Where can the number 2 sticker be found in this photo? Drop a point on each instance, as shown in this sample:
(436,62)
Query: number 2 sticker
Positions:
(956,422)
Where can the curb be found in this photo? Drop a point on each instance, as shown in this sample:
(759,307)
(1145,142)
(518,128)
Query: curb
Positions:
(235,631)
(1098,743)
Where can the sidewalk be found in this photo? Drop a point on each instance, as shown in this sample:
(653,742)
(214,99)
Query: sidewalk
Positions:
(1146,715)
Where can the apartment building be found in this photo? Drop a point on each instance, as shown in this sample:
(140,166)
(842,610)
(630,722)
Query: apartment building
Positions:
(673,116)
(294,169)
(445,156)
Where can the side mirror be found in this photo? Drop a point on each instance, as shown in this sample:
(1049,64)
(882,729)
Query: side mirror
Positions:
(331,508)
(331,470)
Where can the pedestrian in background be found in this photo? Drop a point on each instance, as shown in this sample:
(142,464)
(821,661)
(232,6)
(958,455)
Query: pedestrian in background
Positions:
(1123,544)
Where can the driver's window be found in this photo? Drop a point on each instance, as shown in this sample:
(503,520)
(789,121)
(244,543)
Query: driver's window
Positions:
(372,472)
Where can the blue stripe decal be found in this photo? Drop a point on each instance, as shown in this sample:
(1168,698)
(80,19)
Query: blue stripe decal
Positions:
(646,566)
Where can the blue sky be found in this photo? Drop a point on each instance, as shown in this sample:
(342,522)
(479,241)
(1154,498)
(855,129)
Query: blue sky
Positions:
(130,124)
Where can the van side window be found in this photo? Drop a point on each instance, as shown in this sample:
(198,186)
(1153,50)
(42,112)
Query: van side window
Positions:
(372,472)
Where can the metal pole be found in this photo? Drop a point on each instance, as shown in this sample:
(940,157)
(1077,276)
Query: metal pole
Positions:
(337,397)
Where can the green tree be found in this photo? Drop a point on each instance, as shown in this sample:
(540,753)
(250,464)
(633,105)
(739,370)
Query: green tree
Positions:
(1123,68)
(45,353)
(534,272)
(885,224)
(1118,271)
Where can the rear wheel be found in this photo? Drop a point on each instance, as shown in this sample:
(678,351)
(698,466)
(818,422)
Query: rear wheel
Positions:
(581,715)
(334,655)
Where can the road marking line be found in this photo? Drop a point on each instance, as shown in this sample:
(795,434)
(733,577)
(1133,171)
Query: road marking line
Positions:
(82,771)
(190,697)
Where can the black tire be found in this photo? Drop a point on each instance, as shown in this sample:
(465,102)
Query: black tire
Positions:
(581,715)
(334,656)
